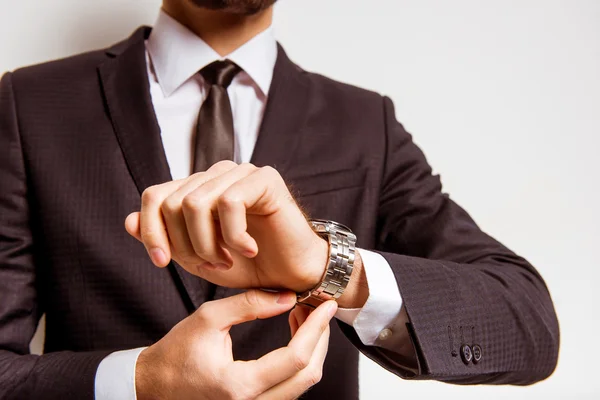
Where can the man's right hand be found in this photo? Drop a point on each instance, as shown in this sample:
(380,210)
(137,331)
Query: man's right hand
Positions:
(195,359)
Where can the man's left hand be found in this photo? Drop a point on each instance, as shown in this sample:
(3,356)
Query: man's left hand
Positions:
(233,225)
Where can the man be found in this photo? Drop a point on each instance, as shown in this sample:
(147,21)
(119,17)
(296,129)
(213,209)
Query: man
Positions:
(423,291)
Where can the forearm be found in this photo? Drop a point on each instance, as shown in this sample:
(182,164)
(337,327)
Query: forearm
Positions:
(57,375)
(497,304)
(456,309)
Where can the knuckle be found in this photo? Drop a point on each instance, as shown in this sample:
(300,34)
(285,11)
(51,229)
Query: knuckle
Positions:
(229,200)
(249,166)
(192,203)
(150,195)
(270,172)
(194,176)
(170,205)
(300,360)
(267,169)
(313,376)
(224,164)
(205,312)
(252,299)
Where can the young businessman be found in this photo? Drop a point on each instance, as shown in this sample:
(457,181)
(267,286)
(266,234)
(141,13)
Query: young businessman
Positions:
(206,140)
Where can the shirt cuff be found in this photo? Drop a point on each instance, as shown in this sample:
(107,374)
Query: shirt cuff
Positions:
(115,376)
(383,305)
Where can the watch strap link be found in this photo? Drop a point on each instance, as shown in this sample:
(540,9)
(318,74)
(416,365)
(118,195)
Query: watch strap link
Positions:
(340,262)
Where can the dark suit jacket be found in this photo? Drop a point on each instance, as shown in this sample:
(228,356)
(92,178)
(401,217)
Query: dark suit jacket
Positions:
(79,142)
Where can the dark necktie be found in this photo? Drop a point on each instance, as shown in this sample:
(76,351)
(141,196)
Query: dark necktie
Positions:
(214,132)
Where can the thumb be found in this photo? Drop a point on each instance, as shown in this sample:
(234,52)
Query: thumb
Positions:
(132,225)
(248,306)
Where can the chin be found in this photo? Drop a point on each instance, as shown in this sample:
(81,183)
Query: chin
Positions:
(247,7)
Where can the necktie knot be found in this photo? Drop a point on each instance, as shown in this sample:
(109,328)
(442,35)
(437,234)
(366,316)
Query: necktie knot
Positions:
(220,73)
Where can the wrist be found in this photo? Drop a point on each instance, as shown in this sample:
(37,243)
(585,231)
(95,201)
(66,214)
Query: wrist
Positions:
(148,385)
(316,264)
(355,294)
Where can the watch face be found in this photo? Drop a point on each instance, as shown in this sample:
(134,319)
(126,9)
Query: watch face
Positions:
(340,227)
(318,223)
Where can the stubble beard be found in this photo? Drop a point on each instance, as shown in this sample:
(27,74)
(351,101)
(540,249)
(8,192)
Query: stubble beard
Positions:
(242,7)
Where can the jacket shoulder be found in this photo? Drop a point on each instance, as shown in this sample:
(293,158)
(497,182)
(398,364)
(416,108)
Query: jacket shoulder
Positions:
(351,103)
(70,71)
(343,91)
(51,72)
(348,105)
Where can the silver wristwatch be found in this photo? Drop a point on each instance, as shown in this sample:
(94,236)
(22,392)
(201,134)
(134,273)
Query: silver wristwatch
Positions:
(342,245)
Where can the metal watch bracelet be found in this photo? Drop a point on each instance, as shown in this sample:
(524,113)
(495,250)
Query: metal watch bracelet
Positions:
(342,245)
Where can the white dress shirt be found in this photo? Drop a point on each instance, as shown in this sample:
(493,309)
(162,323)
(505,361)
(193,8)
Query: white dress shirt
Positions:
(175,55)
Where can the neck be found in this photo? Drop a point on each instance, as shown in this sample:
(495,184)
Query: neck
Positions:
(223,32)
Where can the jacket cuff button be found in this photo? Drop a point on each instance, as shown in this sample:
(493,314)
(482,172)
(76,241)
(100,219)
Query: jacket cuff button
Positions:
(466,353)
(477,353)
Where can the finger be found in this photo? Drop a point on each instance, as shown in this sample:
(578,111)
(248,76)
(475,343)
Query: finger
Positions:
(293,322)
(198,207)
(153,231)
(312,326)
(283,363)
(172,210)
(259,193)
(302,314)
(248,306)
(297,317)
(293,387)
(132,225)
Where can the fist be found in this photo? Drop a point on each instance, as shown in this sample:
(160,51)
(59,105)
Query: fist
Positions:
(233,225)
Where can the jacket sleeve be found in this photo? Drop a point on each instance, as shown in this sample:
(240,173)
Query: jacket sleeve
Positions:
(22,375)
(473,311)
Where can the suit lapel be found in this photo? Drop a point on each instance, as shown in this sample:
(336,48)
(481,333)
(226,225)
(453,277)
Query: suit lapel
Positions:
(285,115)
(124,80)
(126,89)
(283,123)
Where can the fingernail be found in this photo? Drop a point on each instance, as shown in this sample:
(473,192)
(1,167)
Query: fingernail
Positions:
(206,265)
(285,297)
(158,256)
(248,253)
(213,266)
(332,308)
(221,266)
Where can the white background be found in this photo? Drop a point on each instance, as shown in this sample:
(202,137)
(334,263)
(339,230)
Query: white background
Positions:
(503,96)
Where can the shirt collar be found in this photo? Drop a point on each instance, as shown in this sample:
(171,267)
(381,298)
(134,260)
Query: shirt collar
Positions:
(177,54)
